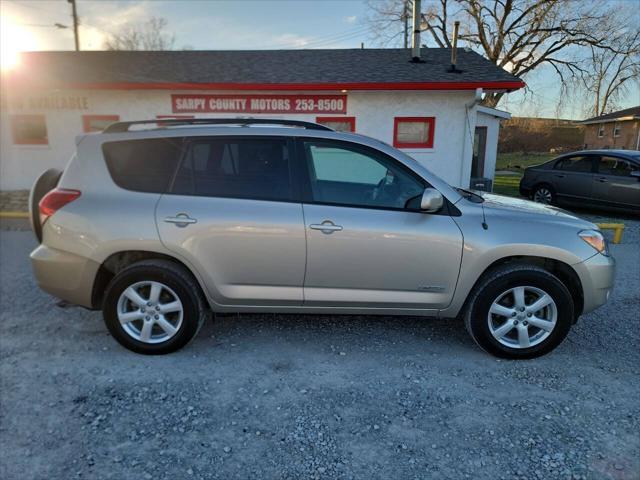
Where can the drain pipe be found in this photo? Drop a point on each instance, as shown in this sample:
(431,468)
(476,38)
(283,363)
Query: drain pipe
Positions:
(467,128)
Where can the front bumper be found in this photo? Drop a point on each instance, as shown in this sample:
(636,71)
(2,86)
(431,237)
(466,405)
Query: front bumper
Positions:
(64,275)
(597,276)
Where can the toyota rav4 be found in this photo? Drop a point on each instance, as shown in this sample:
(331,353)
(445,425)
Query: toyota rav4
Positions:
(157,227)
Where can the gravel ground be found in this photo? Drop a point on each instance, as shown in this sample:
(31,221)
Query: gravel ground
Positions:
(305,397)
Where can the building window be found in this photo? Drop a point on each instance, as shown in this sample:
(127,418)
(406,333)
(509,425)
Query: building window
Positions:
(29,130)
(616,129)
(339,124)
(601,130)
(97,123)
(413,132)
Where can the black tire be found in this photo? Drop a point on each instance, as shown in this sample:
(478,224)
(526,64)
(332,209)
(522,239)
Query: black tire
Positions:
(501,279)
(175,277)
(544,190)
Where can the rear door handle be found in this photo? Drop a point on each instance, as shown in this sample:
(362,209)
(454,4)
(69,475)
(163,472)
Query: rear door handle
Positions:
(558,175)
(327,227)
(181,220)
(602,180)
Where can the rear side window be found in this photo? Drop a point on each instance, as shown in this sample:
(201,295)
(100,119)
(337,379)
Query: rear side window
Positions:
(253,168)
(579,163)
(143,165)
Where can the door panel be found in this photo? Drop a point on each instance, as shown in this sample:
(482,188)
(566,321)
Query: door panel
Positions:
(381,258)
(249,252)
(572,177)
(613,184)
(233,214)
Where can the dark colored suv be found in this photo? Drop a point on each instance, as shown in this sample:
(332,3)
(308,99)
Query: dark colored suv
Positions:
(598,178)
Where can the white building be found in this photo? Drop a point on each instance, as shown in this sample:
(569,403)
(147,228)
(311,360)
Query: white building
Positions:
(424,108)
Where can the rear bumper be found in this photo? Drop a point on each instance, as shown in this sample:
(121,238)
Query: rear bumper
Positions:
(64,275)
(597,275)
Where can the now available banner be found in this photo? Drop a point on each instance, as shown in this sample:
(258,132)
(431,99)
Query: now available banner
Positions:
(248,103)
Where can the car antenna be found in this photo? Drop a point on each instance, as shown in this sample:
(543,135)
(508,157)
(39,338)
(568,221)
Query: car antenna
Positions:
(484,218)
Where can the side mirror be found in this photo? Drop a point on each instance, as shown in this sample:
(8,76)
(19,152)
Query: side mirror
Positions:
(431,201)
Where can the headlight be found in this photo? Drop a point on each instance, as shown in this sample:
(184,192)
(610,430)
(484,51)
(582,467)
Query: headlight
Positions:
(595,239)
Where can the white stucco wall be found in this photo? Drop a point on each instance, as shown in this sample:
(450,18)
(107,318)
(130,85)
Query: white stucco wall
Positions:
(450,156)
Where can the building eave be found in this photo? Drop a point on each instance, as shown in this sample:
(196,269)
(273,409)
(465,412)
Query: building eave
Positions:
(506,86)
(609,120)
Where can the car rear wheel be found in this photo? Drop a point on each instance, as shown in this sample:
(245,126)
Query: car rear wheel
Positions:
(544,194)
(519,311)
(153,307)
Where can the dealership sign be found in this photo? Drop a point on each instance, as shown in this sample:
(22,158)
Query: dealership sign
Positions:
(195,103)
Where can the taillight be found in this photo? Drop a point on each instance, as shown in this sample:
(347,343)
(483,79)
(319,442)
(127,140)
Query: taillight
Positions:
(54,201)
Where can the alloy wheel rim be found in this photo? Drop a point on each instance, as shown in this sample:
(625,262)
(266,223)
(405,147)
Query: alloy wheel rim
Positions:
(522,317)
(542,195)
(150,312)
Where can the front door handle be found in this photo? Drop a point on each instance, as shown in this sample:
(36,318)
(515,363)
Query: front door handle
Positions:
(557,175)
(181,220)
(602,180)
(327,227)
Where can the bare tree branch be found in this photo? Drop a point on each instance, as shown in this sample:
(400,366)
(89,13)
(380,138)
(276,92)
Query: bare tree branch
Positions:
(150,35)
(523,36)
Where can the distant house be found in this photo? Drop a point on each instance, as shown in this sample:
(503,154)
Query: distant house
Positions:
(619,129)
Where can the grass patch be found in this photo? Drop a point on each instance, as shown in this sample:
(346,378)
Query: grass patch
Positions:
(507,185)
(518,161)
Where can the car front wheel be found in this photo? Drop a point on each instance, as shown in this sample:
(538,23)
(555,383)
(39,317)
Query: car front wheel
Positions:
(543,194)
(153,307)
(519,311)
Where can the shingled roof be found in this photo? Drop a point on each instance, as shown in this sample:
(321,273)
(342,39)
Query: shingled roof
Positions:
(626,114)
(367,69)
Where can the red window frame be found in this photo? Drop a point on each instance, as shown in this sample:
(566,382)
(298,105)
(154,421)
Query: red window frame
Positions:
(16,141)
(86,120)
(350,120)
(428,144)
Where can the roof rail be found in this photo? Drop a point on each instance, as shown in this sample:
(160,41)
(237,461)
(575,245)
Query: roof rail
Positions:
(120,127)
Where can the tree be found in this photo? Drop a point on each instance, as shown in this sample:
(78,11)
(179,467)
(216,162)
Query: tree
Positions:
(518,35)
(610,73)
(150,35)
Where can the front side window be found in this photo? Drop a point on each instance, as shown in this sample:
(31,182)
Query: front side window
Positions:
(143,165)
(253,168)
(29,130)
(354,176)
(413,132)
(580,163)
(614,166)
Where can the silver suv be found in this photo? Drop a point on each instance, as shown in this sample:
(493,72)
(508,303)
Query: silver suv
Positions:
(158,226)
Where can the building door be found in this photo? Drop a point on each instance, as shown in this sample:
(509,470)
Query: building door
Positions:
(479,150)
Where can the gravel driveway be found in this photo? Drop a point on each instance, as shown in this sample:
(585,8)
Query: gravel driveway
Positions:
(304,397)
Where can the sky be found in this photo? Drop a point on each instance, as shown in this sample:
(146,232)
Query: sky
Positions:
(239,24)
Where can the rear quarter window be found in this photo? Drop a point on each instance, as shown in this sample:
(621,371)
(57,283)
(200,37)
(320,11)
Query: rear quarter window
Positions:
(144,165)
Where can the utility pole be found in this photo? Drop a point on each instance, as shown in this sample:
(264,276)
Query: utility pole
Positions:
(74,12)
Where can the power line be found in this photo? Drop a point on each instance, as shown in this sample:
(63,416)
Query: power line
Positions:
(314,40)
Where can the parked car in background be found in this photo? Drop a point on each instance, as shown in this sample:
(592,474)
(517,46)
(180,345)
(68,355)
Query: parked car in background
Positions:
(157,227)
(589,178)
